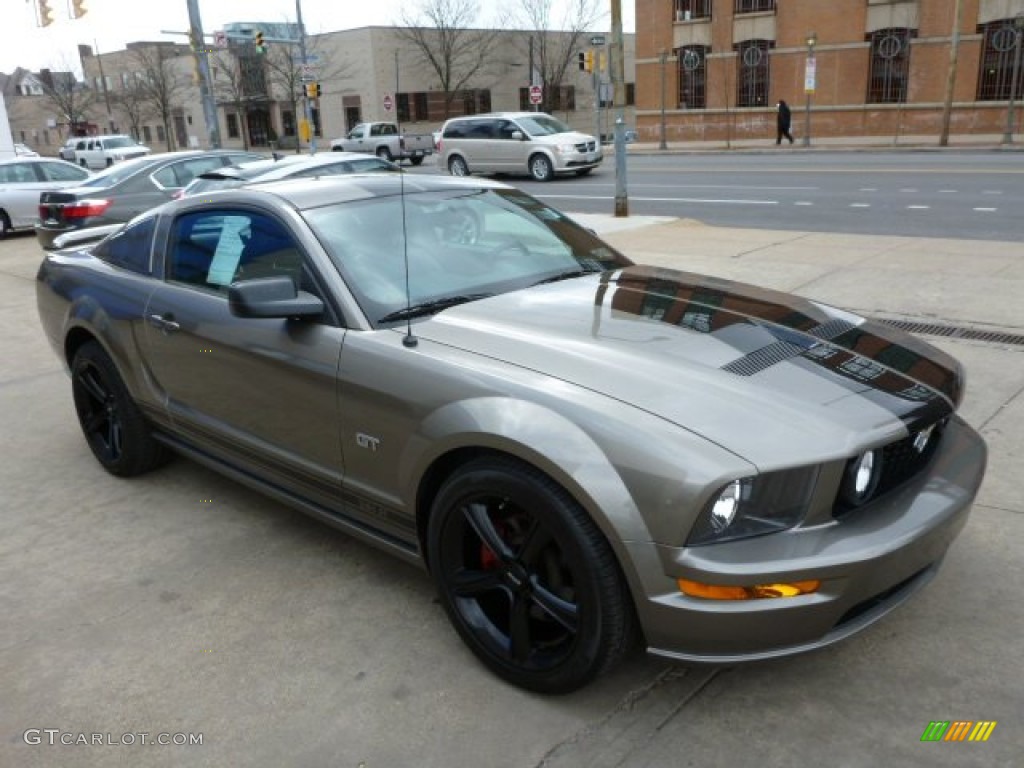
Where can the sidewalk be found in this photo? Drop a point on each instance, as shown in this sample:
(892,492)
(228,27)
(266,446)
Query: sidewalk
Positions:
(957,143)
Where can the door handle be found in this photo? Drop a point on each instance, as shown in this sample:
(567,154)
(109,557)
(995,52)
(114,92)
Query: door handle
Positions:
(164,323)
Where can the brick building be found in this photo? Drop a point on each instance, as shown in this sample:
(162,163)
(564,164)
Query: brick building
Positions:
(881,67)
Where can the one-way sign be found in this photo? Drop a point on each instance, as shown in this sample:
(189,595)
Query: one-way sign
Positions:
(597,40)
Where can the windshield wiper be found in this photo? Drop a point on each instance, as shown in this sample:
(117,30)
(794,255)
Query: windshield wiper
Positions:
(431,307)
(568,275)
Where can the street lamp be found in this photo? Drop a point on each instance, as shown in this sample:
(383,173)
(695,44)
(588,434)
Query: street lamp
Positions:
(1018,33)
(662,57)
(809,78)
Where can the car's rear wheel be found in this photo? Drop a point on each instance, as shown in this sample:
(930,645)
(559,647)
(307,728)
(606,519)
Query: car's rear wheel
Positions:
(384,154)
(418,160)
(457,166)
(83,163)
(541,168)
(118,435)
(5,224)
(109,162)
(527,579)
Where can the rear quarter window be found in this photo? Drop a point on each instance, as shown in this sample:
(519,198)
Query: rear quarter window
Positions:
(131,248)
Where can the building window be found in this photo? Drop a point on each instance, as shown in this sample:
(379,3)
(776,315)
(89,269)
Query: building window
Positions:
(752,84)
(147,135)
(692,9)
(287,122)
(890,62)
(562,98)
(693,75)
(997,55)
(420,110)
(160,135)
(753,6)
(232,126)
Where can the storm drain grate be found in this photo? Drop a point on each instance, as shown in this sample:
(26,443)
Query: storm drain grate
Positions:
(956,332)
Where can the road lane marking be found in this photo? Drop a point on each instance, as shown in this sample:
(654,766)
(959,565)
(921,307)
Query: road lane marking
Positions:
(908,190)
(992,192)
(860,205)
(947,191)
(918,207)
(985,210)
(803,203)
(869,189)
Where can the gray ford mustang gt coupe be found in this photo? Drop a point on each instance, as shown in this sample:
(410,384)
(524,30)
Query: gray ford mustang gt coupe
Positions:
(581,451)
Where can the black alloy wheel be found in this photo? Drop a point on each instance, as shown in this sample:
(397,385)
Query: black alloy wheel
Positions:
(116,432)
(526,577)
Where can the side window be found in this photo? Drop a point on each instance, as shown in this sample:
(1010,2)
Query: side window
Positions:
(212,249)
(506,129)
(60,171)
(81,145)
(130,248)
(481,129)
(179,174)
(456,130)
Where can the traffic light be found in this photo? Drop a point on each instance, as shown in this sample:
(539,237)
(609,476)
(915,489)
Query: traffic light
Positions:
(601,62)
(582,61)
(589,61)
(45,13)
(261,46)
(313,90)
(78,9)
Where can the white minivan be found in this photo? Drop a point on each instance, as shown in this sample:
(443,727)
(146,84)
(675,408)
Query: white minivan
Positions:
(533,143)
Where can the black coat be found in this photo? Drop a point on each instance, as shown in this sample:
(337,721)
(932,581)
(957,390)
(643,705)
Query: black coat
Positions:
(784,116)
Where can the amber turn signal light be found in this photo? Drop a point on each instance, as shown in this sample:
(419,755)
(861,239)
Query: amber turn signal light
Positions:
(756,592)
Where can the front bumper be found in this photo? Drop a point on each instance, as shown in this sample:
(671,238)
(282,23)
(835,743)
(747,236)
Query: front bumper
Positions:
(868,563)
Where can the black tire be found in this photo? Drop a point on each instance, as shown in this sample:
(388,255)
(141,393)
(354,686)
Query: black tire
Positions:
(110,162)
(526,578)
(5,224)
(118,435)
(418,160)
(457,166)
(83,164)
(384,154)
(583,171)
(541,168)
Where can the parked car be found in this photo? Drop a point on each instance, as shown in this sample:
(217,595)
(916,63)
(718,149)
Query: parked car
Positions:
(67,151)
(23,179)
(517,142)
(23,150)
(572,445)
(104,151)
(286,167)
(124,191)
(384,141)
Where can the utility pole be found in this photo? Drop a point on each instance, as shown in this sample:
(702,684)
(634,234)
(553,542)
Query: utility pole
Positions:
(618,73)
(198,40)
(954,52)
(306,100)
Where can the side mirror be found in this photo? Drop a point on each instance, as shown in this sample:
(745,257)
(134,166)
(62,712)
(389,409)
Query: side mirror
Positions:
(272,297)
(518,135)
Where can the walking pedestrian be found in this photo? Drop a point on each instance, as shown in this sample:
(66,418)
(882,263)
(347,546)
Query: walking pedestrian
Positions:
(783,121)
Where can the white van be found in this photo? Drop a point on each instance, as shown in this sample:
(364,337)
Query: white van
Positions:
(533,143)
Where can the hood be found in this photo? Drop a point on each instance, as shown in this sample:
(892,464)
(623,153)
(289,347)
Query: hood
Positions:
(745,367)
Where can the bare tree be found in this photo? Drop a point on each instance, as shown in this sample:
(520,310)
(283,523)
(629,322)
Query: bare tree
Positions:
(70,99)
(442,34)
(284,70)
(232,85)
(133,103)
(161,85)
(556,43)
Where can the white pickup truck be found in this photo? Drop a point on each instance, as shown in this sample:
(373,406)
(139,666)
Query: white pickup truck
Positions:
(103,151)
(384,141)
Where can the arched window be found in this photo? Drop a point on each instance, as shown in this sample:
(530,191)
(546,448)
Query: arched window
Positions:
(692,76)
(890,64)
(997,57)
(753,80)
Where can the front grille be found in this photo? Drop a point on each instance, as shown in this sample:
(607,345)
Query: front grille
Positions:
(901,461)
(586,146)
(878,601)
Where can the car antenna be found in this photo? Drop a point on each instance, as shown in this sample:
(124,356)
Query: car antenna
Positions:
(409,341)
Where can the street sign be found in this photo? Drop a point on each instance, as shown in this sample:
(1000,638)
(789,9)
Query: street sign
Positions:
(388,102)
(308,75)
(220,38)
(597,40)
(536,94)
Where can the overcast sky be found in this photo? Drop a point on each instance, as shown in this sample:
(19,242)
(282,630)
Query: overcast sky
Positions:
(112,23)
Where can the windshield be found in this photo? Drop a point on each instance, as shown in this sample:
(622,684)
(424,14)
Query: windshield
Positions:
(117,173)
(461,244)
(542,125)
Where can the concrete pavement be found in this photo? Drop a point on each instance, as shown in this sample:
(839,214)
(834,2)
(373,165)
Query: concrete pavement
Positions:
(902,143)
(181,602)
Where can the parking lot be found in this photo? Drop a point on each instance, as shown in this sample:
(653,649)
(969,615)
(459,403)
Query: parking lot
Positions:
(182,604)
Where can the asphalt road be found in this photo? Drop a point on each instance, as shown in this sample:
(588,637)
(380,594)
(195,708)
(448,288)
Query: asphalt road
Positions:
(977,195)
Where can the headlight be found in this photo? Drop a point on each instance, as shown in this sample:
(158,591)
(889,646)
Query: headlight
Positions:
(753,506)
(566,149)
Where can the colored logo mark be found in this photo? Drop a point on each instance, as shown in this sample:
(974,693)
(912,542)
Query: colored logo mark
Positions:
(958,730)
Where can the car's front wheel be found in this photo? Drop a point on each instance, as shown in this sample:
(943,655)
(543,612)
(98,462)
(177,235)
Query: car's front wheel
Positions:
(541,168)
(117,433)
(526,577)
